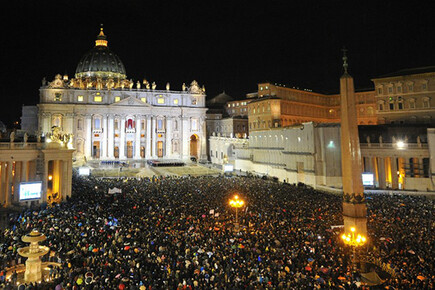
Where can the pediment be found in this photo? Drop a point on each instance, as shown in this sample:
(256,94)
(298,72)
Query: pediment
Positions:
(131,101)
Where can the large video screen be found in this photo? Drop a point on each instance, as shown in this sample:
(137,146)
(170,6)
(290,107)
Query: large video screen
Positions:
(30,190)
(367,179)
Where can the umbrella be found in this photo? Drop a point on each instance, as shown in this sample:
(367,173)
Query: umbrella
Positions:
(79,281)
(421,278)
(310,259)
(308,268)
(58,287)
(341,278)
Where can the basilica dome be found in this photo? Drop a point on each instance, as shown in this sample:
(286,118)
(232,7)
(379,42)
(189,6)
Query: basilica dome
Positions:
(100,62)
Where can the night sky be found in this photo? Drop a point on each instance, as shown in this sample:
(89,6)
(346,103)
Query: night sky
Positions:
(226,45)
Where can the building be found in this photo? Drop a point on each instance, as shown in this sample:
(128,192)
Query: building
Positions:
(406,96)
(237,108)
(308,153)
(280,106)
(282,144)
(112,117)
(397,156)
(226,118)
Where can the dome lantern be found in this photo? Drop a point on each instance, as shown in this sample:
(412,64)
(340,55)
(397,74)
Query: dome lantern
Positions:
(101,38)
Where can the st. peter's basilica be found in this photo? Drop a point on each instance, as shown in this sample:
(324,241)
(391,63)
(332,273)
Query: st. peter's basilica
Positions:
(112,117)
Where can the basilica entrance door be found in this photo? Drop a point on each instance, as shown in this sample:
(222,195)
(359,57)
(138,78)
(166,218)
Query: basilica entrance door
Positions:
(129,149)
(96,149)
(194,146)
(159,149)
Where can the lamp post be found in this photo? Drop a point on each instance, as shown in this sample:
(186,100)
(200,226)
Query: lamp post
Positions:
(236,202)
(354,240)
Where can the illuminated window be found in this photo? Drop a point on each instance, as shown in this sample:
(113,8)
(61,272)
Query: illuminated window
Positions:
(160,100)
(117,99)
(176,102)
(267,87)
(98,99)
(58,97)
(79,98)
(143,99)
(261,88)
(229,105)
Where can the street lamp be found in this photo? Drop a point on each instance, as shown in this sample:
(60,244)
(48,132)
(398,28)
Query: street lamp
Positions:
(236,202)
(354,240)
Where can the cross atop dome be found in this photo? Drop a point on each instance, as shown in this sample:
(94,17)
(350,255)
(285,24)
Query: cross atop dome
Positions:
(101,38)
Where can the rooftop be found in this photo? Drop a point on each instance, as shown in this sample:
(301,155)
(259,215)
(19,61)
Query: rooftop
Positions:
(408,71)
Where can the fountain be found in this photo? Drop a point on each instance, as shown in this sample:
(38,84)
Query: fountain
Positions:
(34,253)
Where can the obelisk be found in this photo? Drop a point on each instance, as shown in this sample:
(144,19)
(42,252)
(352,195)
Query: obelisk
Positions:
(354,205)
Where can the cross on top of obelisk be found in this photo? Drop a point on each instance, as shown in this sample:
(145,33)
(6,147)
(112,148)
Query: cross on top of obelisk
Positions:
(345,65)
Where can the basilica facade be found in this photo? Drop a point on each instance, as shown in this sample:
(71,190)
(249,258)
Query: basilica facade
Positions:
(112,117)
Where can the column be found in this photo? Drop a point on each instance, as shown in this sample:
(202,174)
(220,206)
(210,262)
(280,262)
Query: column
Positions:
(370,164)
(3,183)
(8,184)
(154,138)
(103,153)
(394,177)
(168,151)
(203,139)
(44,182)
(110,137)
(137,140)
(88,138)
(185,137)
(381,167)
(148,138)
(122,139)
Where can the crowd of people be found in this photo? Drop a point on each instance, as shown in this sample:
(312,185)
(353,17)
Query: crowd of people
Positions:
(178,233)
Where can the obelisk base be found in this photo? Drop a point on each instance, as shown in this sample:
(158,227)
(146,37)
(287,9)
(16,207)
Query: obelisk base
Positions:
(355,215)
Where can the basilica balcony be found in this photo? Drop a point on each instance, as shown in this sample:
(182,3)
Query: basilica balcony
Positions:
(130,130)
(97,131)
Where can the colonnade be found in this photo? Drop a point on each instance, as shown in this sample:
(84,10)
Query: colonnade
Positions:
(392,171)
(20,164)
